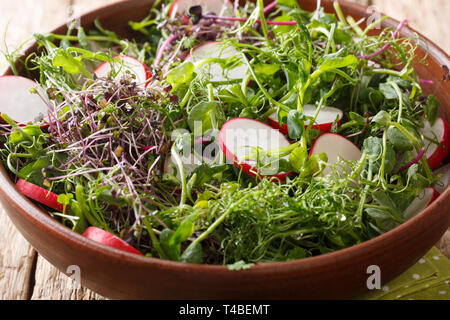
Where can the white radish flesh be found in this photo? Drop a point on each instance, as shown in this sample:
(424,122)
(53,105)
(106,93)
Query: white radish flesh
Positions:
(336,148)
(439,132)
(217,7)
(125,65)
(17,101)
(426,197)
(213,70)
(239,138)
(444,182)
(324,121)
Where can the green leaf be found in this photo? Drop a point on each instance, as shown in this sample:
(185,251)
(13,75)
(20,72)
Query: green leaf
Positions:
(184,230)
(432,109)
(284,165)
(296,254)
(35,167)
(383,199)
(25,134)
(297,159)
(405,84)
(82,39)
(342,37)
(233,95)
(337,63)
(106,195)
(373,146)
(17,136)
(403,199)
(65,199)
(89,55)
(240,265)
(207,114)
(193,254)
(181,74)
(288,3)
(281,29)
(412,171)
(336,239)
(172,250)
(295,124)
(399,140)
(206,173)
(357,118)
(266,69)
(382,118)
(75,210)
(383,219)
(390,160)
(314,164)
(333,63)
(33,130)
(388,91)
(69,63)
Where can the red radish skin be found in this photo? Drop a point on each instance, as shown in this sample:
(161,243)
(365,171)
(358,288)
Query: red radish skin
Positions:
(324,121)
(39,194)
(444,182)
(426,198)
(440,130)
(108,239)
(335,147)
(214,6)
(141,70)
(18,103)
(235,136)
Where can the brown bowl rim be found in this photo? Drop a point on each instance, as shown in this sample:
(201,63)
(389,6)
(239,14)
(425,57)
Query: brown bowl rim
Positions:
(42,220)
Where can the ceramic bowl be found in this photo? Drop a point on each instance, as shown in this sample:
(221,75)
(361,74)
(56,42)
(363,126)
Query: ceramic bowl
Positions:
(342,274)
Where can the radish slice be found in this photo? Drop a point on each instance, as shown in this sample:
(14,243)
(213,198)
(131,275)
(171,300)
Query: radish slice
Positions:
(239,136)
(18,103)
(39,194)
(214,70)
(440,131)
(336,147)
(124,65)
(324,120)
(444,182)
(108,239)
(218,7)
(426,197)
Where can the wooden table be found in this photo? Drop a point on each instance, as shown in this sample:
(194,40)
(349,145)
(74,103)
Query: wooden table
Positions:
(24,274)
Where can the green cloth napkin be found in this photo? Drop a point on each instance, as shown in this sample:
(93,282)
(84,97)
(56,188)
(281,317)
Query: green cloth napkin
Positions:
(428,279)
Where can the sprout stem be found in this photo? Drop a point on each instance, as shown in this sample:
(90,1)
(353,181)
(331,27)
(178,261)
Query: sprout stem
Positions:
(275,23)
(270,6)
(387,45)
(163,48)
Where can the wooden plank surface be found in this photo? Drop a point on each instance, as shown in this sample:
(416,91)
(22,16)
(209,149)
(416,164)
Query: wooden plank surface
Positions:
(16,262)
(50,284)
(429,17)
(26,275)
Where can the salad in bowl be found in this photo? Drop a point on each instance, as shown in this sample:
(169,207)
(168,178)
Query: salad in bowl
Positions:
(227,134)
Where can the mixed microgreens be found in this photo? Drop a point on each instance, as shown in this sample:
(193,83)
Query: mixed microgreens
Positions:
(105,145)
